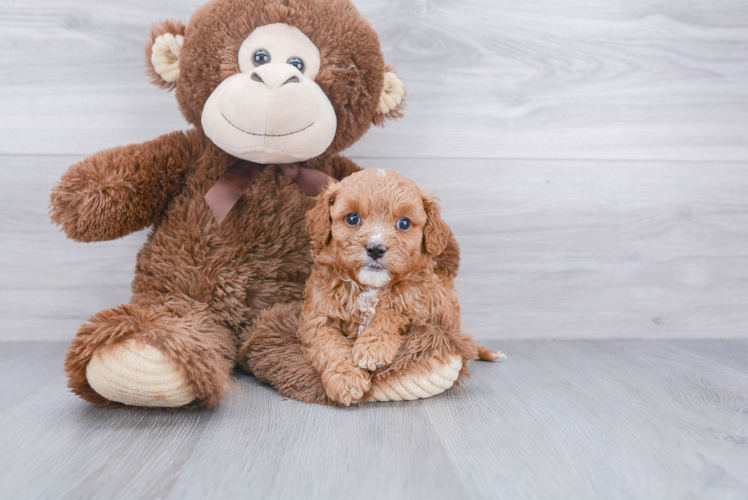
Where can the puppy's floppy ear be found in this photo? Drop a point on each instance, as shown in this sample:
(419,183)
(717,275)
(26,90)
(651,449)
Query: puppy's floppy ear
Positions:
(436,232)
(391,101)
(319,219)
(162,53)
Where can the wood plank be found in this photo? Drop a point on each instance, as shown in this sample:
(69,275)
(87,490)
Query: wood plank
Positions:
(562,419)
(563,249)
(485,78)
(611,419)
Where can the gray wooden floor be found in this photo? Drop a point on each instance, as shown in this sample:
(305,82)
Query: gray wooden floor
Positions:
(558,419)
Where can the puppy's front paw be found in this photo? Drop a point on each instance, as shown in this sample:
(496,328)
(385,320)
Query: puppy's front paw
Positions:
(371,355)
(346,386)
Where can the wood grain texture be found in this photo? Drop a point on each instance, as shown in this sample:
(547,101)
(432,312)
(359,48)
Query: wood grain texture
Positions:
(551,249)
(585,79)
(563,249)
(558,419)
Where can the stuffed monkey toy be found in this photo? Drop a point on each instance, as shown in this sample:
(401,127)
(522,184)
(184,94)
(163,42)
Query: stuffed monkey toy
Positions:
(273,90)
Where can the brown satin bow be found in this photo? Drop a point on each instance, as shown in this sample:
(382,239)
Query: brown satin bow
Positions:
(227,190)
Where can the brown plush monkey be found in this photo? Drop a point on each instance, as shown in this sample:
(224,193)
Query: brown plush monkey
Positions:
(265,84)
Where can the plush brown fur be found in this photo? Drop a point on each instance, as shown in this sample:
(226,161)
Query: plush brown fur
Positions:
(417,316)
(352,67)
(272,352)
(198,286)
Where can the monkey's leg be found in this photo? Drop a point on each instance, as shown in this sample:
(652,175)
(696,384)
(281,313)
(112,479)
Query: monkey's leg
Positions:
(430,362)
(419,381)
(272,352)
(166,355)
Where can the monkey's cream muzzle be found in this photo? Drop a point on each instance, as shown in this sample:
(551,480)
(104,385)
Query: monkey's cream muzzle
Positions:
(270,121)
(272,112)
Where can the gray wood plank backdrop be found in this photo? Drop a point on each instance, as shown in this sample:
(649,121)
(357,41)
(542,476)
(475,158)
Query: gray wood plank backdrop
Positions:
(591,156)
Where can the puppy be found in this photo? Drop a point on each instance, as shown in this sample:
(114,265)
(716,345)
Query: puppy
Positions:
(375,237)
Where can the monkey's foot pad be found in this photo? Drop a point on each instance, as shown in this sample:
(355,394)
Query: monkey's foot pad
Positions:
(138,375)
(418,386)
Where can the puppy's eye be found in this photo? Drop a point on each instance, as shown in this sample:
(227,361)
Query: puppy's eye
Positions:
(262,56)
(297,63)
(403,224)
(353,219)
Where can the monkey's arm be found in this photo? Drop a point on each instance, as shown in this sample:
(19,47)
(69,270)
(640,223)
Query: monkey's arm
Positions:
(121,190)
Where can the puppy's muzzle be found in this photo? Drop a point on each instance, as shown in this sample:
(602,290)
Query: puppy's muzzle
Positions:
(375,250)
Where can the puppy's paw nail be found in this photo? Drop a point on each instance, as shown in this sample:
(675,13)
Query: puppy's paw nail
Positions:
(369,364)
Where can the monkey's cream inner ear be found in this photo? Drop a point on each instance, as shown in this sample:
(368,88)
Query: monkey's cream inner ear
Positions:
(392,94)
(165,56)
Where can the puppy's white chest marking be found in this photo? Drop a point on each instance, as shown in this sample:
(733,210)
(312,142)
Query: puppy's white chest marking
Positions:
(367,307)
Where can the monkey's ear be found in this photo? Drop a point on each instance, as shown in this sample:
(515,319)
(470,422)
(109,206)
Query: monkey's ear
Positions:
(436,232)
(391,101)
(319,219)
(162,53)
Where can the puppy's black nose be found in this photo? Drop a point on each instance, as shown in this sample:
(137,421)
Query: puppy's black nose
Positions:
(376,250)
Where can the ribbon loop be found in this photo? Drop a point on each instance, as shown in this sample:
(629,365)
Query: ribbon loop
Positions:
(230,187)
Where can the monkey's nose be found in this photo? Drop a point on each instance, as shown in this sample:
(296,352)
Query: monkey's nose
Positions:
(375,250)
(274,77)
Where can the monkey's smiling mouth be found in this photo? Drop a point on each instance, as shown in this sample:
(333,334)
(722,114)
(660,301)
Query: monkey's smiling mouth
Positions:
(264,135)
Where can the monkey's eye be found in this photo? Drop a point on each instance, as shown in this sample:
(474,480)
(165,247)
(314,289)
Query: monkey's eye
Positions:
(261,57)
(403,224)
(298,63)
(353,219)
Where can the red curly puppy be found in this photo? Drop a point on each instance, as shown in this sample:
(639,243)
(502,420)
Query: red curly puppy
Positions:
(375,237)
